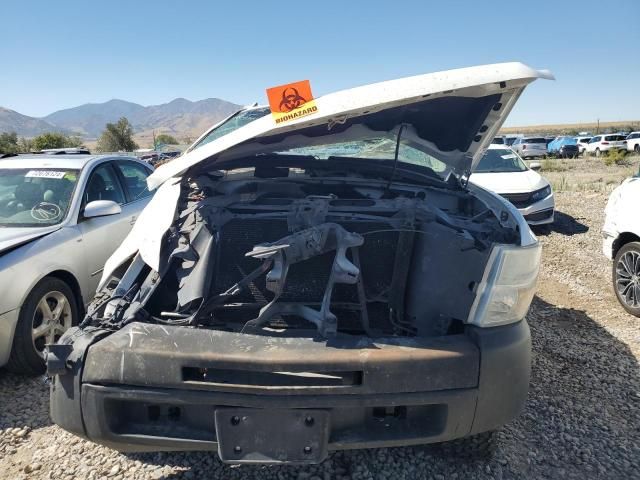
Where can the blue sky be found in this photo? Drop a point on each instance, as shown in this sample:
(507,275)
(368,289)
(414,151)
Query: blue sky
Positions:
(62,54)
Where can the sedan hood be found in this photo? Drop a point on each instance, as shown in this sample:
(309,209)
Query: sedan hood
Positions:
(452,115)
(509,182)
(13,237)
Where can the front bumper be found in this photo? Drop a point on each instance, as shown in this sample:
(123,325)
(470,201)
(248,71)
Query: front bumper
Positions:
(540,212)
(533,153)
(607,243)
(149,388)
(8,322)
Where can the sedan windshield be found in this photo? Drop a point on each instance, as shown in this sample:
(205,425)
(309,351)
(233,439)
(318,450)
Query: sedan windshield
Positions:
(33,197)
(500,160)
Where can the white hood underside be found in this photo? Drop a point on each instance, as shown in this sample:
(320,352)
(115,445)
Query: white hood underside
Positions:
(505,81)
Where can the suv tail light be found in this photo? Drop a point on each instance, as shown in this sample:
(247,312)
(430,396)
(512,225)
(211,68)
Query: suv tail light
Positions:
(605,143)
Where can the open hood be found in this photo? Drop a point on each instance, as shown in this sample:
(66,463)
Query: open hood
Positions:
(451,115)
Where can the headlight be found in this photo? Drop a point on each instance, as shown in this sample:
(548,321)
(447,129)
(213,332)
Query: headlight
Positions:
(540,194)
(508,286)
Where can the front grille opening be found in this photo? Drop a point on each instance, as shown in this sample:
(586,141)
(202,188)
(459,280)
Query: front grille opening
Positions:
(153,413)
(385,412)
(165,420)
(240,378)
(174,414)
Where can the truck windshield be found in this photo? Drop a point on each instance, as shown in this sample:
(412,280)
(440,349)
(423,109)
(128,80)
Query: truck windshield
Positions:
(240,119)
(33,197)
(373,148)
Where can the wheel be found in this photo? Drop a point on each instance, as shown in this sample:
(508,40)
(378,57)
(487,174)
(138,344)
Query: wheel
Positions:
(636,148)
(626,277)
(475,447)
(598,152)
(48,311)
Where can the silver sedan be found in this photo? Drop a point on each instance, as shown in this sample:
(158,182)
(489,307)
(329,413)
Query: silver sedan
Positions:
(61,217)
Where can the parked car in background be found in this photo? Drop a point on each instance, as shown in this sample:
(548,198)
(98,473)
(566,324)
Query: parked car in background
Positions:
(563,147)
(633,142)
(502,171)
(582,142)
(498,141)
(601,144)
(549,139)
(65,151)
(621,233)
(509,140)
(328,283)
(530,147)
(60,218)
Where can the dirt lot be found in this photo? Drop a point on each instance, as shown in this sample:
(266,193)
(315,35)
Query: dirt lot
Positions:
(582,419)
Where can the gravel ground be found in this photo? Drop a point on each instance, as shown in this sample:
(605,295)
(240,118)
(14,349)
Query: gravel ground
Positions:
(582,419)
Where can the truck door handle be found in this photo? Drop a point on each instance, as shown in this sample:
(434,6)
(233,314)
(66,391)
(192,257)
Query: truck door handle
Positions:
(133,220)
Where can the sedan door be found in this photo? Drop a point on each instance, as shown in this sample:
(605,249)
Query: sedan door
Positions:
(102,235)
(133,176)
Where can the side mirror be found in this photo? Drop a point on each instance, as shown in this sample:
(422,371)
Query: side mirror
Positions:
(101,208)
(535,166)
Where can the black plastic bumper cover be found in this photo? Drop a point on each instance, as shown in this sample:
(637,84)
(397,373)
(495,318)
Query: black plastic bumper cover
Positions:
(160,390)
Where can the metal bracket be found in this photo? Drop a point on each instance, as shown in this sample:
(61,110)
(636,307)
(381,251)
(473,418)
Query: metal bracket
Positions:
(296,248)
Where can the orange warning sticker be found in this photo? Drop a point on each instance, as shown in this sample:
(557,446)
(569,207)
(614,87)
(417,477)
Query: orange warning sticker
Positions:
(291,101)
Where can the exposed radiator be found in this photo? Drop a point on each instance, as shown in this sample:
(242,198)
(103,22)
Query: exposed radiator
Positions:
(307,280)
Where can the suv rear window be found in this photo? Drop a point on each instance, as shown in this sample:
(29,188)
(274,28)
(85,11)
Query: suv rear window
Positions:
(614,138)
(534,140)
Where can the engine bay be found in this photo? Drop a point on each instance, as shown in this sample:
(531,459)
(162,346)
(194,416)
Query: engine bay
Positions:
(314,254)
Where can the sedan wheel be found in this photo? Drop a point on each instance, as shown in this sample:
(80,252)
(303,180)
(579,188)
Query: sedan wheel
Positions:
(51,319)
(626,277)
(636,149)
(47,312)
(597,152)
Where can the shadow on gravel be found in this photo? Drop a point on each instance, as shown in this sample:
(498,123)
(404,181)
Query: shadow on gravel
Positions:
(563,224)
(582,419)
(24,401)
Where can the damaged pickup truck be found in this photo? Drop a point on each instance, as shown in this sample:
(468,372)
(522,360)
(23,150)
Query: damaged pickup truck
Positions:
(327,283)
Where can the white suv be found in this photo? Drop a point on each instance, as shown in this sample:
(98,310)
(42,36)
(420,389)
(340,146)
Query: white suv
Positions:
(621,234)
(530,147)
(633,142)
(600,144)
(582,144)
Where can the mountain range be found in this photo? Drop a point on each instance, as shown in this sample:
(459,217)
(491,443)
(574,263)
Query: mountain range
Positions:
(180,117)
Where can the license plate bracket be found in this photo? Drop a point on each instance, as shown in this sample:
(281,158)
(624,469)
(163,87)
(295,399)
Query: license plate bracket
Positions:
(252,435)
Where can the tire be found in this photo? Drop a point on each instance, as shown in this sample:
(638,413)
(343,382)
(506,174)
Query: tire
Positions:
(626,277)
(27,353)
(475,447)
(598,153)
(636,148)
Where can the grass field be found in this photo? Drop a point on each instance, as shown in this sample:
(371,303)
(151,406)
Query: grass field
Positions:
(587,173)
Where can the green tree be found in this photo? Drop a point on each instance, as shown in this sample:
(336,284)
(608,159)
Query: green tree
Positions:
(117,137)
(55,140)
(25,145)
(166,139)
(8,142)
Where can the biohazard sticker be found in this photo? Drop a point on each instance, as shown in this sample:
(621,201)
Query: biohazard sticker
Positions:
(291,101)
